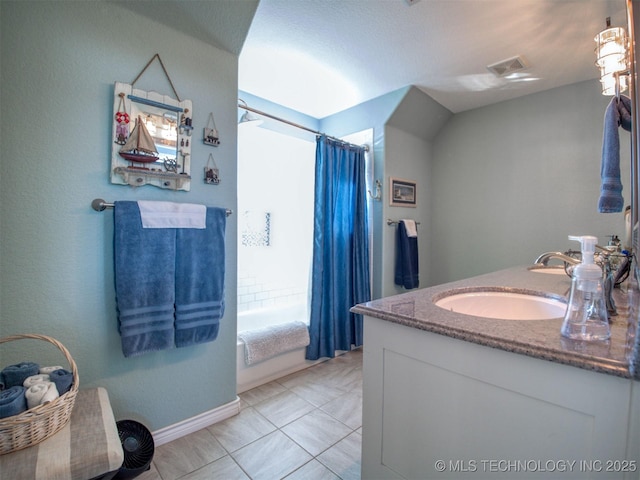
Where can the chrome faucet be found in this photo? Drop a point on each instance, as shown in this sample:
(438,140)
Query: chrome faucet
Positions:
(604,261)
(545,257)
(609,278)
(609,284)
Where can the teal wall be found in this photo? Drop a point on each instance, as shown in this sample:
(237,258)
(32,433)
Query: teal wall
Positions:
(405,123)
(496,186)
(409,135)
(59,64)
(372,114)
(513,180)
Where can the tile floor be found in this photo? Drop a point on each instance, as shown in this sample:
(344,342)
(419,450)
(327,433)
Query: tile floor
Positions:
(305,426)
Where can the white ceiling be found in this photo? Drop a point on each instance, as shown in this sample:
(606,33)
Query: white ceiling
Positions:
(320,57)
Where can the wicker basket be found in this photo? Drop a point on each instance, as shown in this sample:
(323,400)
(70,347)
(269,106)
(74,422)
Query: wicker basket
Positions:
(39,423)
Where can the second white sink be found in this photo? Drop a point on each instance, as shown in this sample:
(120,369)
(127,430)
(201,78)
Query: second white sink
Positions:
(555,270)
(504,304)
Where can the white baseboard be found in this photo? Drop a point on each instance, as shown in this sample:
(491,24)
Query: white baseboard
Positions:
(193,424)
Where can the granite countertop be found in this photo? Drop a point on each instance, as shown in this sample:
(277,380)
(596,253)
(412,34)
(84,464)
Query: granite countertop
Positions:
(535,338)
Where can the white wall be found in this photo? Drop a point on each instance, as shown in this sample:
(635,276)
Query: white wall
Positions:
(59,62)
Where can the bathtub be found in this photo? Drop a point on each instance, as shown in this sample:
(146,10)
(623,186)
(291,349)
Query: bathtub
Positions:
(251,376)
(262,317)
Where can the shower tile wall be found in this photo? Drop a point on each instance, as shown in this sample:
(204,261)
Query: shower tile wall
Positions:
(275,220)
(254,294)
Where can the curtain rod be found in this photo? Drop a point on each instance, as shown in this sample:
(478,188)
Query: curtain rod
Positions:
(293,124)
(100,205)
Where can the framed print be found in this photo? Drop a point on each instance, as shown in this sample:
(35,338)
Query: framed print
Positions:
(402,193)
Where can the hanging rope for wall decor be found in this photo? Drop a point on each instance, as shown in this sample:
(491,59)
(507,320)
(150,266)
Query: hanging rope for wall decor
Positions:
(165,73)
(99,205)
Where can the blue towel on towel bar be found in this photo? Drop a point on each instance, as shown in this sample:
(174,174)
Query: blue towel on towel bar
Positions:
(406,271)
(145,282)
(200,280)
(617,114)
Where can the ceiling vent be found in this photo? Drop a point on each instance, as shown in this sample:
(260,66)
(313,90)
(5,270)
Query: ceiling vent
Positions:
(509,66)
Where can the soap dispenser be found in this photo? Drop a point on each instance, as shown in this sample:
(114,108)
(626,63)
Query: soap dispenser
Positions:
(586,316)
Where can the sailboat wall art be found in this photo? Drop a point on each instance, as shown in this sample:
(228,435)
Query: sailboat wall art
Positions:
(151,139)
(140,147)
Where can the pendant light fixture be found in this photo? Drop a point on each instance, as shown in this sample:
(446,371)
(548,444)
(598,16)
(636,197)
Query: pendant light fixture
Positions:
(613,59)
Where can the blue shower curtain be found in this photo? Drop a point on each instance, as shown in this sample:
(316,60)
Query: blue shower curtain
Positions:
(340,271)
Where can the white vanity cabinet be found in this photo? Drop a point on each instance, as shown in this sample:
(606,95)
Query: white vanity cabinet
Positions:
(436,407)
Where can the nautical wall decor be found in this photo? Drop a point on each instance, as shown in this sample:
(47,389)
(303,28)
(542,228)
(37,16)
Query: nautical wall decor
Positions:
(211,172)
(151,137)
(211,136)
(157,151)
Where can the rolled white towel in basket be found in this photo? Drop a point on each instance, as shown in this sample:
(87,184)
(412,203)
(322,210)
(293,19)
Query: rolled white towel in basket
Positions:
(35,379)
(41,393)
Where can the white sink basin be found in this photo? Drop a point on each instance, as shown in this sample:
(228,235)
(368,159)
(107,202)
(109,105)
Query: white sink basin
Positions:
(548,270)
(504,304)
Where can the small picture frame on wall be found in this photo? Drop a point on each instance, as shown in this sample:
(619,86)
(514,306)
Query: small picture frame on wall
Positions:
(402,192)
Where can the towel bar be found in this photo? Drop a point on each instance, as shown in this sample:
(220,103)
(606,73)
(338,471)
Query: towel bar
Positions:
(99,205)
(395,222)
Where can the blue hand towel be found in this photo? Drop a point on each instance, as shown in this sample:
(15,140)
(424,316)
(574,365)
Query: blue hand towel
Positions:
(144,260)
(406,271)
(618,114)
(63,380)
(199,281)
(12,401)
(16,374)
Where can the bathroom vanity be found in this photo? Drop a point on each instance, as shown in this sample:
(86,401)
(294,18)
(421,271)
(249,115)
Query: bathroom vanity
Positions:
(450,395)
